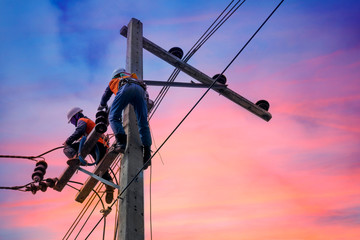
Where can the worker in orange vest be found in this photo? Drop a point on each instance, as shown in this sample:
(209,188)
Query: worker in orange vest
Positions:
(84,126)
(128,89)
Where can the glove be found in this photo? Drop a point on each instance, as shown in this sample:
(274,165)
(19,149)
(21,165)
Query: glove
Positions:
(100,108)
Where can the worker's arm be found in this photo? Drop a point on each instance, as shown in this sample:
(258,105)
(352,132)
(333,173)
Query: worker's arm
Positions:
(105,98)
(79,132)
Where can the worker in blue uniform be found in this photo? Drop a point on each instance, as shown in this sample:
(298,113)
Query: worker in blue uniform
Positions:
(128,89)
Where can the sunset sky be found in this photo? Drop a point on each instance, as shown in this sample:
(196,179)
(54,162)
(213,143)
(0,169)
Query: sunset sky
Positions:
(225,173)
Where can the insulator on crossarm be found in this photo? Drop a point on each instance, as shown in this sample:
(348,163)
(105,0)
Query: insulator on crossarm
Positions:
(177,52)
(220,78)
(49,182)
(101,121)
(39,171)
(263,104)
(43,186)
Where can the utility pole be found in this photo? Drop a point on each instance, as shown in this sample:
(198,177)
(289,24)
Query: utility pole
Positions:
(131,203)
(201,77)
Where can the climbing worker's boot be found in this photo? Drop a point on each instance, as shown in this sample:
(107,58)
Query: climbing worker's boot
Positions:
(146,156)
(109,194)
(120,143)
(73,162)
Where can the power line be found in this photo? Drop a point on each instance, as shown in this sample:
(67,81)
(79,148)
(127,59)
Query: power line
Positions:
(32,158)
(195,105)
(196,47)
(18,188)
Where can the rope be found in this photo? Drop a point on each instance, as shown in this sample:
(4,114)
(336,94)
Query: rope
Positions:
(97,153)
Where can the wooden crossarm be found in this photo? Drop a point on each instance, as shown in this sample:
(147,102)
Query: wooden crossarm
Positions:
(201,77)
(100,169)
(67,174)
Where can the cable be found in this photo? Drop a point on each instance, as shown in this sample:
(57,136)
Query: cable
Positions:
(150,207)
(18,188)
(51,150)
(90,214)
(82,213)
(164,90)
(192,51)
(32,158)
(214,82)
(153,139)
(97,153)
(89,202)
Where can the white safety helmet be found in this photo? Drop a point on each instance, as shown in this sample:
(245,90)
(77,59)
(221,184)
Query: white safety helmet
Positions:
(117,71)
(72,112)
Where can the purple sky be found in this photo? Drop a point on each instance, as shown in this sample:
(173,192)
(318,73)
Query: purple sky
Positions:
(225,174)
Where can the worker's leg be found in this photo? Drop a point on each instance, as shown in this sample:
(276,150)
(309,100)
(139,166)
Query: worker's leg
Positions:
(71,150)
(109,190)
(140,108)
(102,152)
(122,99)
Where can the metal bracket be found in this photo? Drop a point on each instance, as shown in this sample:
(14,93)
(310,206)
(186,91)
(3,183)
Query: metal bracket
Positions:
(184,84)
(100,178)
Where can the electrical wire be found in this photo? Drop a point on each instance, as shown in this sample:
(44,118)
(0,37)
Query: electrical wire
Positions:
(90,201)
(195,105)
(32,158)
(150,203)
(175,73)
(195,48)
(184,118)
(99,201)
(17,188)
(91,214)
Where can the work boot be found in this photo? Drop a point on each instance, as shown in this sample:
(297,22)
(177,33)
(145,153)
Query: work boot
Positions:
(73,162)
(147,156)
(120,143)
(109,194)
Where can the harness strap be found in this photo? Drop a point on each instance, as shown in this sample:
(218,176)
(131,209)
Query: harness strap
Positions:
(131,80)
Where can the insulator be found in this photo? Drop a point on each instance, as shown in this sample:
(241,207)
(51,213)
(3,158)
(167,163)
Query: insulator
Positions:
(43,186)
(33,188)
(177,52)
(101,119)
(221,79)
(263,104)
(101,127)
(51,182)
(101,113)
(39,171)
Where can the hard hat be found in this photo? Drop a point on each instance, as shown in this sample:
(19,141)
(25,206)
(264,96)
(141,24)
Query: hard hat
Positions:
(117,71)
(72,112)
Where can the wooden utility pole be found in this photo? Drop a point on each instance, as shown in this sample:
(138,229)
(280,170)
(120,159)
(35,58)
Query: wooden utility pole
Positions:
(131,202)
